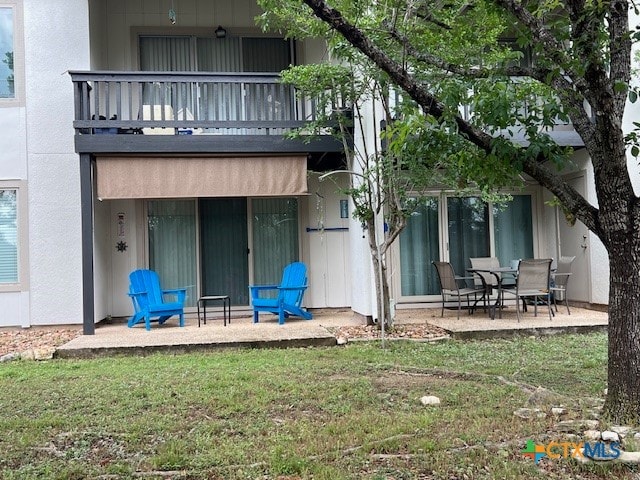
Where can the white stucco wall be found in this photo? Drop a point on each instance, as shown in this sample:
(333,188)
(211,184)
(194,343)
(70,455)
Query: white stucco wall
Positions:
(13,138)
(56,38)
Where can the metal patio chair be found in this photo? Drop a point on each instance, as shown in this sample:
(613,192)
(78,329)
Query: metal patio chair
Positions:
(449,286)
(560,281)
(533,282)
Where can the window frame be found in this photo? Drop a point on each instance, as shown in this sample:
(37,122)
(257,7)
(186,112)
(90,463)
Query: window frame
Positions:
(18,55)
(20,186)
(443,235)
(194,33)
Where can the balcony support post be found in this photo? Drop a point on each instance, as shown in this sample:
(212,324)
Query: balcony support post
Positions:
(86,202)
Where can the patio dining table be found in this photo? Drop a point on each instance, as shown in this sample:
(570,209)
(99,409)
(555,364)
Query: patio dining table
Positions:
(499,274)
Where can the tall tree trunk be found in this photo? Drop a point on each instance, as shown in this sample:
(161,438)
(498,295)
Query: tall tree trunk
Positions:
(623,397)
(619,229)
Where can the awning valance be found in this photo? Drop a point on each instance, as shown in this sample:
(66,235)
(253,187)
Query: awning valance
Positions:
(122,177)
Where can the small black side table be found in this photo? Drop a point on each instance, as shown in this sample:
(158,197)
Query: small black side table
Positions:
(226,306)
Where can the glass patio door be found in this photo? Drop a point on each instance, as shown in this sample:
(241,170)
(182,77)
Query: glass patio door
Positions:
(274,237)
(468,231)
(455,229)
(476,229)
(419,246)
(228,240)
(224,248)
(513,230)
(172,244)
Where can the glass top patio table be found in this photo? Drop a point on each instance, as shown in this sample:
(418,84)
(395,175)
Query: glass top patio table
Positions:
(497,272)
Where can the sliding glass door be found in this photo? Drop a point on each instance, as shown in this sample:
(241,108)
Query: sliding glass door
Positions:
(455,229)
(468,231)
(513,230)
(274,224)
(419,246)
(171,228)
(219,101)
(224,248)
(229,242)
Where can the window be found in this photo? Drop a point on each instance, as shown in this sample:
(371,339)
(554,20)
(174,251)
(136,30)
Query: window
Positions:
(10,52)
(172,244)
(8,236)
(456,229)
(12,265)
(419,246)
(7,78)
(212,241)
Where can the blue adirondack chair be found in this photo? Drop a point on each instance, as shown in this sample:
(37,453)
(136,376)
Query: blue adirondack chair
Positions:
(290,293)
(149,302)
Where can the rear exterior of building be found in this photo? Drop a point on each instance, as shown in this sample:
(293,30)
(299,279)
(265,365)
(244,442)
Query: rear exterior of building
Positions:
(155,134)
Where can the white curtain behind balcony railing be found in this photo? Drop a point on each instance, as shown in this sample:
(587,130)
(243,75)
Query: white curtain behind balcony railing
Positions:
(220,101)
(168,54)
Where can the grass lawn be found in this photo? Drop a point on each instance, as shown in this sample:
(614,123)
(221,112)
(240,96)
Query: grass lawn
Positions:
(325,413)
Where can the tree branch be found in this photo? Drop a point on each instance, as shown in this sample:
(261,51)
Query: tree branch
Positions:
(473,72)
(619,51)
(561,85)
(432,106)
(553,48)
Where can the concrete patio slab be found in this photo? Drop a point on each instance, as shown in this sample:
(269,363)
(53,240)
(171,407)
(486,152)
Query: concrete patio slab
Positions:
(241,332)
(117,338)
(480,326)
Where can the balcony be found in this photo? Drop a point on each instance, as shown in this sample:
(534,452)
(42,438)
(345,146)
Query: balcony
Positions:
(191,112)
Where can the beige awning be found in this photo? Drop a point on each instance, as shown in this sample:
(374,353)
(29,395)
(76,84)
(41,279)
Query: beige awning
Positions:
(171,177)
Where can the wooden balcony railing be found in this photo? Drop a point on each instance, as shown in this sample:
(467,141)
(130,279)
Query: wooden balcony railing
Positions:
(187,103)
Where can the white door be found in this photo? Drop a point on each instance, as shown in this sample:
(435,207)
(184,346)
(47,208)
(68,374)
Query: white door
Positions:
(574,241)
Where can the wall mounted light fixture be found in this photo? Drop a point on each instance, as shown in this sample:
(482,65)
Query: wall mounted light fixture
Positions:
(220,32)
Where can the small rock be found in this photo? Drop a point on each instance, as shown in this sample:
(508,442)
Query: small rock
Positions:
(592,435)
(27,355)
(557,411)
(636,436)
(629,457)
(45,353)
(342,340)
(609,436)
(621,430)
(9,356)
(527,413)
(430,400)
